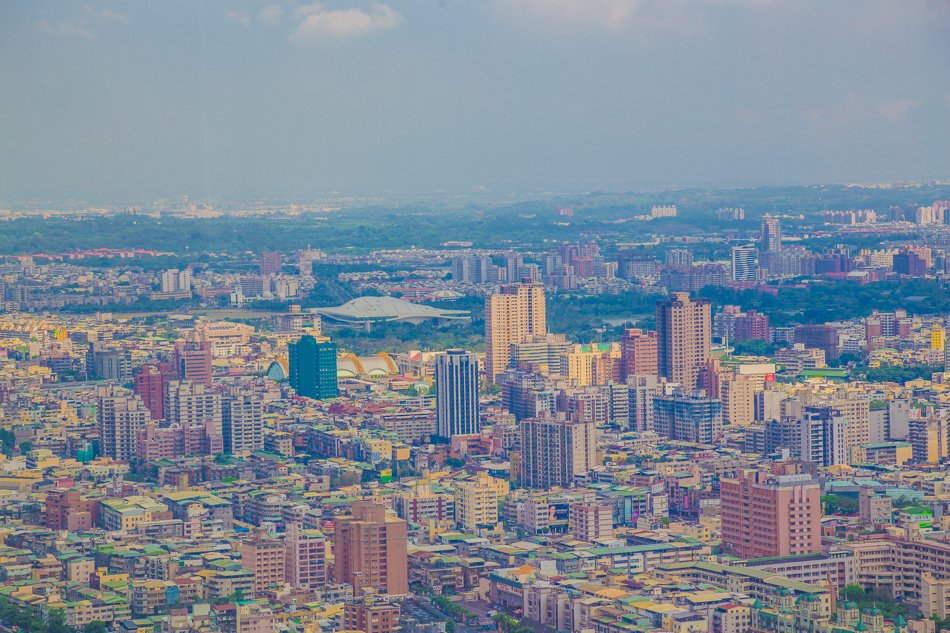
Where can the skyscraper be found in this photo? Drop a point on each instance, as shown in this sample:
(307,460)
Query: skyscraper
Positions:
(688,417)
(306,557)
(456,382)
(174,280)
(771,513)
(512,315)
(770,238)
(242,423)
(683,327)
(370,550)
(555,449)
(120,414)
(745,262)
(313,368)
(264,556)
(638,353)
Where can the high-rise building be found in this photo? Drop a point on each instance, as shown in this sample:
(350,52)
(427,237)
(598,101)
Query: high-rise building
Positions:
(149,383)
(751,326)
(930,438)
(473,269)
(476,502)
(313,368)
(191,360)
(108,363)
(554,450)
(688,417)
(591,520)
(197,410)
(770,238)
(684,338)
(264,556)
(638,353)
(512,315)
(120,414)
(370,550)
(641,390)
(823,436)
(174,280)
(745,262)
(767,514)
(456,393)
(270,263)
(306,557)
(242,423)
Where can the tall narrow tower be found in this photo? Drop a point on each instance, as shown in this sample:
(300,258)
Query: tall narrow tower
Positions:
(456,380)
(512,315)
(683,327)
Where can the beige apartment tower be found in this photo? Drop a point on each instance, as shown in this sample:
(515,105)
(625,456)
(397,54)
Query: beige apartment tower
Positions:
(513,315)
(684,338)
(369,548)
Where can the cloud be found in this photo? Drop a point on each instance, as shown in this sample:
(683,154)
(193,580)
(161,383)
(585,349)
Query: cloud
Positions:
(242,17)
(115,16)
(271,14)
(68,29)
(609,14)
(898,109)
(319,22)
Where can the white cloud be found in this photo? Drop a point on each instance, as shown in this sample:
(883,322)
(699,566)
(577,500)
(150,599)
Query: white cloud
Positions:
(115,16)
(898,109)
(241,17)
(271,14)
(68,29)
(319,22)
(610,14)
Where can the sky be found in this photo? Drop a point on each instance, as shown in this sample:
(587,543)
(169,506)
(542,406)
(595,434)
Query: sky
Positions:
(236,98)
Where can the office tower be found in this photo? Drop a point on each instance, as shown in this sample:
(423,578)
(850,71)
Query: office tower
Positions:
(120,414)
(512,315)
(149,383)
(456,395)
(527,394)
(555,450)
(770,238)
(823,437)
(473,269)
(270,263)
(638,353)
(823,337)
(306,557)
(197,410)
(371,615)
(313,368)
(768,514)
(540,353)
(684,338)
(751,326)
(242,423)
(688,417)
(476,502)
(264,557)
(737,392)
(591,520)
(108,363)
(174,280)
(191,360)
(745,262)
(369,547)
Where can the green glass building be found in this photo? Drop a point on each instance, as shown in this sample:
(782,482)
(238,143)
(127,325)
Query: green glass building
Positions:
(313,368)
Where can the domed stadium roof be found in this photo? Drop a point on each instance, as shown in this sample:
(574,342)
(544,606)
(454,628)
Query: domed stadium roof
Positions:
(368,309)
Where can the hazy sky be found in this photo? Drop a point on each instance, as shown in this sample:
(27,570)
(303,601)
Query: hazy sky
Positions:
(234,98)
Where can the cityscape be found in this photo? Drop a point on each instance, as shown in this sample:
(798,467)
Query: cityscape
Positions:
(514,316)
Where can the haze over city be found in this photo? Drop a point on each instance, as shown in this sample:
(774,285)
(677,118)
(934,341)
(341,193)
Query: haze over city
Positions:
(105,100)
